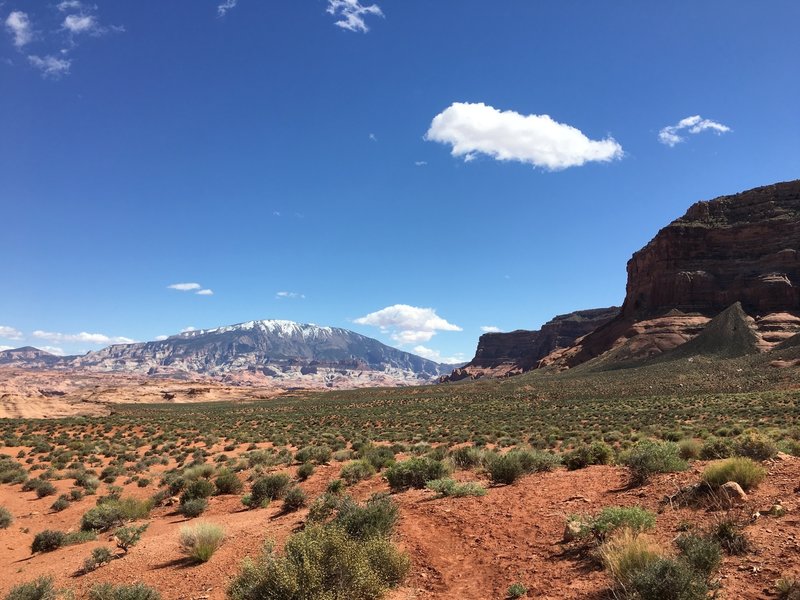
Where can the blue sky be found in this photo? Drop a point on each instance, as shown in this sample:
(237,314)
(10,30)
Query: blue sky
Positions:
(369,160)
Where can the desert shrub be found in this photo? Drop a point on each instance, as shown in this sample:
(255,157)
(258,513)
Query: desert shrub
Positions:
(322,562)
(596,453)
(227,483)
(5,518)
(689,449)
(316,454)
(38,589)
(270,487)
(516,590)
(356,471)
(715,448)
(62,503)
(626,553)
(114,513)
(201,541)
(668,579)
(199,488)
(731,537)
(99,557)
(465,457)
(703,554)
(45,488)
(375,518)
(649,457)
(505,468)
(379,457)
(414,473)
(127,537)
(11,471)
(109,591)
(757,447)
(343,455)
(450,487)
(193,508)
(744,471)
(48,540)
(535,461)
(611,518)
(788,588)
(294,499)
(335,486)
(305,471)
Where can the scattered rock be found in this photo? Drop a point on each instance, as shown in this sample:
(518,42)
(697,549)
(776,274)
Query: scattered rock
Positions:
(731,494)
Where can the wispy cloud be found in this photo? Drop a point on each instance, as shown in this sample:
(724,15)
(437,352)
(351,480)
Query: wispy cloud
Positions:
(436,356)
(373,137)
(19,26)
(53,350)
(290,295)
(675,134)
(82,337)
(69,5)
(407,324)
(51,66)
(352,14)
(10,333)
(3,348)
(160,338)
(420,163)
(490,329)
(188,329)
(224,7)
(476,128)
(185,287)
(205,292)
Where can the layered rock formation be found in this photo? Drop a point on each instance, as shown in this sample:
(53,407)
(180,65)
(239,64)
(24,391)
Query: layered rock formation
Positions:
(741,248)
(504,354)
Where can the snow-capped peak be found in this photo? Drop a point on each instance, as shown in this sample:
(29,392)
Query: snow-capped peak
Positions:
(279,327)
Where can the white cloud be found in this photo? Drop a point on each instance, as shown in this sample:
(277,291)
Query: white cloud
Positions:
(19,26)
(490,329)
(10,333)
(53,350)
(436,356)
(671,135)
(290,295)
(476,128)
(373,137)
(82,337)
(161,338)
(225,6)
(50,66)
(69,5)
(420,163)
(185,287)
(188,329)
(352,13)
(81,24)
(205,292)
(408,324)
(4,348)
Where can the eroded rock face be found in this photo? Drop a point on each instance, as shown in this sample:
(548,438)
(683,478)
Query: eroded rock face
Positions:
(504,354)
(741,248)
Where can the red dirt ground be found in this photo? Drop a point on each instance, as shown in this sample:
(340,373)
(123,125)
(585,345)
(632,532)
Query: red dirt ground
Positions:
(461,548)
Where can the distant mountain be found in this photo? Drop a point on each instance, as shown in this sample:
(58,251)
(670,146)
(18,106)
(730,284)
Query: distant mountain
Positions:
(29,356)
(282,352)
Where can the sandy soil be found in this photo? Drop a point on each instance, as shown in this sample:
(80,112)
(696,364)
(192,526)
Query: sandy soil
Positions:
(461,548)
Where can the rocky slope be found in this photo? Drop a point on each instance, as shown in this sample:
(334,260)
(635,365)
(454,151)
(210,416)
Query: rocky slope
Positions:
(504,354)
(740,248)
(29,356)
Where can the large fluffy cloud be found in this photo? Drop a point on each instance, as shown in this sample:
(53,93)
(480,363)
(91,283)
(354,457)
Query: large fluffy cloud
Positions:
(675,134)
(351,14)
(407,324)
(82,337)
(476,128)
